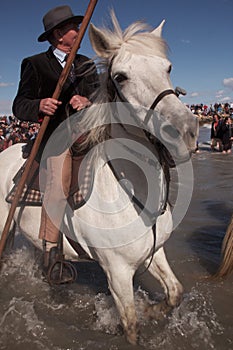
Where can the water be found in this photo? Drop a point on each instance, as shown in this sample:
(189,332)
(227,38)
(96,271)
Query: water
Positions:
(35,316)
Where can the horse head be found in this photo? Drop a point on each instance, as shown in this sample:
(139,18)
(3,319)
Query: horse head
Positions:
(139,72)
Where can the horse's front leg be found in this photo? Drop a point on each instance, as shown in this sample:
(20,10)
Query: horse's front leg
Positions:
(120,281)
(161,270)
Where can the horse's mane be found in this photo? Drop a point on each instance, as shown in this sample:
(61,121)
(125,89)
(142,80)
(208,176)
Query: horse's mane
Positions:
(135,39)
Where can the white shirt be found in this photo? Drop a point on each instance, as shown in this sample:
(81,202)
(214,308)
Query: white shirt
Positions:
(60,56)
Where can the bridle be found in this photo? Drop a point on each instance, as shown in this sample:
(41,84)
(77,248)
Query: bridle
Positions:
(122,97)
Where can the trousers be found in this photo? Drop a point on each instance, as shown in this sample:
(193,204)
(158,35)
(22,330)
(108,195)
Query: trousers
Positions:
(56,191)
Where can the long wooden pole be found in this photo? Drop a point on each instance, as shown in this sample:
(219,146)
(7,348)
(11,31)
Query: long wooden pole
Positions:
(56,94)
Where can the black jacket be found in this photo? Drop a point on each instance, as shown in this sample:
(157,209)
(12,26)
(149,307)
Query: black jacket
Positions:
(38,80)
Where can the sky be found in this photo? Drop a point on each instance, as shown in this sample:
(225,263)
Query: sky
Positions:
(199,34)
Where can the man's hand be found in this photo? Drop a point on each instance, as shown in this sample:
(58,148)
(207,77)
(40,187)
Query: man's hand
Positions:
(48,106)
(79,102)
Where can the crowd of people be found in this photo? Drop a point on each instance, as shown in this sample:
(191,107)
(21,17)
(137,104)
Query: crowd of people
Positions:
(221,133)
(221,116)
(205,110)
(14,131)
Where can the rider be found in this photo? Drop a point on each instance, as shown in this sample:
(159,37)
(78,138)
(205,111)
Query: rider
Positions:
(39,76)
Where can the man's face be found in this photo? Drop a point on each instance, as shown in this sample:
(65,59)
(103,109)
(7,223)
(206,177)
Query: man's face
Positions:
(67,36)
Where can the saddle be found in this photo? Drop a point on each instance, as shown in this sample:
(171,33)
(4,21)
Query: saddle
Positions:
(32,194)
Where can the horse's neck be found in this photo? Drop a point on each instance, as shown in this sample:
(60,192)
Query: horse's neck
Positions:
(127,131)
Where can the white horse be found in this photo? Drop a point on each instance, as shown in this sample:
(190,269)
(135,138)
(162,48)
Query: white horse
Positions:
(112,227)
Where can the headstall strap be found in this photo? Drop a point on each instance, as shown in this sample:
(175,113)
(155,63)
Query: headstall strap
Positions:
(156,101)
(122,97)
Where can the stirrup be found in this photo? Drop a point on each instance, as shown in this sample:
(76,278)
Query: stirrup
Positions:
(61,271)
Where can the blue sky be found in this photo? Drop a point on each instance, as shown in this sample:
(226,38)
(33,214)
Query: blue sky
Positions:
(199,34)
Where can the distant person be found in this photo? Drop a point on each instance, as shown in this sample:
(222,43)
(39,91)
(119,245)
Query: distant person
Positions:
(227,135)
(216,132)
(3,140)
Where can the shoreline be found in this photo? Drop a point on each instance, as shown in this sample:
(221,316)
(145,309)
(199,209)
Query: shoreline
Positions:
(207,119)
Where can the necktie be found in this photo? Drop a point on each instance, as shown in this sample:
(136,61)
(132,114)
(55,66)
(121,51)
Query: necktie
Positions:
(72,76)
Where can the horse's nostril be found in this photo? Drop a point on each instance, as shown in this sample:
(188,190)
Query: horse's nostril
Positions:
(171,131)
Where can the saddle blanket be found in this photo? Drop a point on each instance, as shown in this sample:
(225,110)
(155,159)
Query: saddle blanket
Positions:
(81,185)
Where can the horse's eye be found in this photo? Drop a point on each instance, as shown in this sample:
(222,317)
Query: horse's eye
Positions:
(169,69)
(120,77)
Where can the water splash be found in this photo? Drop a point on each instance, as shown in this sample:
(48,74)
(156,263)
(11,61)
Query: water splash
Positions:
(34,315)
(192,325)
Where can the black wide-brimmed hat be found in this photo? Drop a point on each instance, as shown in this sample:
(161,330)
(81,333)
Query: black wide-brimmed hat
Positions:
(57,17)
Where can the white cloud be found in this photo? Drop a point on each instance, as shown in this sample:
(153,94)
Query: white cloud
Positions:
(219,95)
(228,82)
(220,92)
(6,84)
(226,99)
(185,41)
(194,94)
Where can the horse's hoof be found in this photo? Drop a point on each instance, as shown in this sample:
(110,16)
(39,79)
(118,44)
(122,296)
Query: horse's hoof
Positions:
(158,311)
(132,339)
(132,335)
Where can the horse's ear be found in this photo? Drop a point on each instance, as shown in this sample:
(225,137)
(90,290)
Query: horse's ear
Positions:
(158,31)
(99,41)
